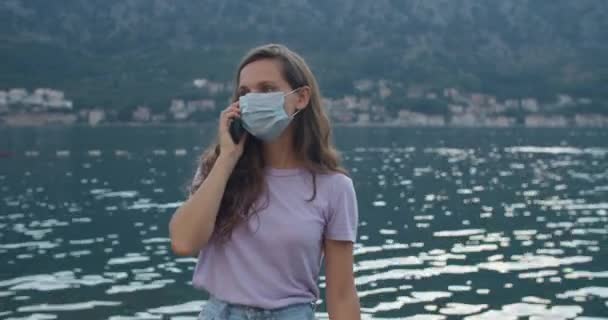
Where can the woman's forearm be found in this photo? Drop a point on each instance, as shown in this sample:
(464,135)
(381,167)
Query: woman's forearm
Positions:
(192,224)
(344,306)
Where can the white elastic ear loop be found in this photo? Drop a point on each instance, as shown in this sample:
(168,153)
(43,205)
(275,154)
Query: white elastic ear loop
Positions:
(292,91)
(297,111)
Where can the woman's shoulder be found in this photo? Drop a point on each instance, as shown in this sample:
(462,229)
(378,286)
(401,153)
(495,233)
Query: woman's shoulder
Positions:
(335,180)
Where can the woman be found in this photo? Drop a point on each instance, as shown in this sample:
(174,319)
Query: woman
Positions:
(263,212)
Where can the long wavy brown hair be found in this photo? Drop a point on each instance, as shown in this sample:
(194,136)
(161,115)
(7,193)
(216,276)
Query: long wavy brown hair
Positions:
(311,142)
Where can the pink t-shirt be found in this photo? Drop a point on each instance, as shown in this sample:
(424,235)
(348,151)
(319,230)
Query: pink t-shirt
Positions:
(273,259)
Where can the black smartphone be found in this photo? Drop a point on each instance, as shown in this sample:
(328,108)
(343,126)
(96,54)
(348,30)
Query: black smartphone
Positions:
(236,130)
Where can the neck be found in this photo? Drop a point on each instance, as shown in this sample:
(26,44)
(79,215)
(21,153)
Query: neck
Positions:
(280,154)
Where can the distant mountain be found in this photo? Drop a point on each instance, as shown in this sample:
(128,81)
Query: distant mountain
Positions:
(119,53)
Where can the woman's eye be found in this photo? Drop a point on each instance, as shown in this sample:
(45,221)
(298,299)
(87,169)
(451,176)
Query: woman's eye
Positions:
(268,89)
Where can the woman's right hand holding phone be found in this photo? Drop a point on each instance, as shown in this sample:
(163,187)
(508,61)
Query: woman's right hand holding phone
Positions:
(192,225)
(230,151)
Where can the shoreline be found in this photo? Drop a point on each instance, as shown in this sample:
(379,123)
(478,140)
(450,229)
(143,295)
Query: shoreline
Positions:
(335,125)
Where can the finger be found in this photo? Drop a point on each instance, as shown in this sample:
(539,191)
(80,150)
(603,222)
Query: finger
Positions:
(233,114)
(243,139)
(231,106)
(227,115)
(229,110)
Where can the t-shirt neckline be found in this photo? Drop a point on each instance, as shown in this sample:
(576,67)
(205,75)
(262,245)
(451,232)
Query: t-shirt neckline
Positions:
(283,172)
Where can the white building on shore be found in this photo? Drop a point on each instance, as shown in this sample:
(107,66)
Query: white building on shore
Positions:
(96,116)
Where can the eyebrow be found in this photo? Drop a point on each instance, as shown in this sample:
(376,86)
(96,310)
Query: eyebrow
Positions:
(261,84)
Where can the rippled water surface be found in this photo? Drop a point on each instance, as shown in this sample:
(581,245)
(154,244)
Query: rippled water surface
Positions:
(459,223)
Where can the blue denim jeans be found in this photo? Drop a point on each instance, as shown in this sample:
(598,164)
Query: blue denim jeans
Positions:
(215,309)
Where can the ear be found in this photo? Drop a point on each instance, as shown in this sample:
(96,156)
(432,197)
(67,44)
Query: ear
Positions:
(303,97)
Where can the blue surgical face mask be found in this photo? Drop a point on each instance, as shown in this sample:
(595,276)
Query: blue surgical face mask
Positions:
(263,114)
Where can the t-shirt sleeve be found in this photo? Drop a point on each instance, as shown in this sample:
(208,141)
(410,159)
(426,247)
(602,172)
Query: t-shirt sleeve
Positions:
(343,213)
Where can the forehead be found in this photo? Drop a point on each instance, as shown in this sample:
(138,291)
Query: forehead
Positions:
(265,70)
